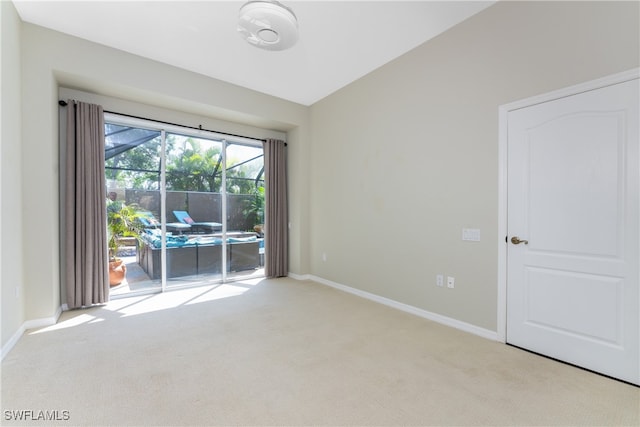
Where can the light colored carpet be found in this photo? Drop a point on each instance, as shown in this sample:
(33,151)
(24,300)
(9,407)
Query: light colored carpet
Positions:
(284,352)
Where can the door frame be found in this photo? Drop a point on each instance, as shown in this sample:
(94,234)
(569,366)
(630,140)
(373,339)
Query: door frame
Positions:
(503,139)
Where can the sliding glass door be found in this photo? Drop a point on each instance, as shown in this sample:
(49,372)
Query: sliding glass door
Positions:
(193,209)
(244,205)
(197,200)
(133,156)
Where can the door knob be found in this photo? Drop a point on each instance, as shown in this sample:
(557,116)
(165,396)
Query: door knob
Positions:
(516,241)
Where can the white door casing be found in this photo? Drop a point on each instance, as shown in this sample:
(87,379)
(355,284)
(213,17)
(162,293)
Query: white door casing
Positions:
(571,186)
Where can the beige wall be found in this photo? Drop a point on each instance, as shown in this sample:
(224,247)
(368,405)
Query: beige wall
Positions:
(11,249)
(407,156)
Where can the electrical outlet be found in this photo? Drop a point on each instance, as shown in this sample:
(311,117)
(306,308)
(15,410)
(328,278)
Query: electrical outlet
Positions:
(451,281)
(440,280)
(324,256)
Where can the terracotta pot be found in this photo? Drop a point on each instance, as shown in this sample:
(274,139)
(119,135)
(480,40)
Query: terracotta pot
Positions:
(117,271)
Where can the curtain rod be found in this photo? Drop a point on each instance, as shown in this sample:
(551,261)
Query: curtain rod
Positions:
(64,104)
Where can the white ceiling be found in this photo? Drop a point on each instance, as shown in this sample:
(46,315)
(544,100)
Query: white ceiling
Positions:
(340,41)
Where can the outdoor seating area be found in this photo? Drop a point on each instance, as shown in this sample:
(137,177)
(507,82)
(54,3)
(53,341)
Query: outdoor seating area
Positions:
(185,223)
(191,254)
(193,226)
(193,235)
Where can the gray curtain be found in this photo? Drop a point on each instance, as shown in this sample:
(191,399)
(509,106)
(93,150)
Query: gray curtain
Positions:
(86,256)
(276,218)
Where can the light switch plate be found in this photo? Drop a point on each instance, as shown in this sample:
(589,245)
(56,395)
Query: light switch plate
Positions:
(471,234)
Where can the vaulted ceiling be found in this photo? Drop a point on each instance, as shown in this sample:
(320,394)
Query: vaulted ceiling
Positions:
(340,41)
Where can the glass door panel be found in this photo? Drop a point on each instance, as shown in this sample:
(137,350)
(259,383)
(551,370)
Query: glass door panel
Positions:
(193,179)
(132,171)
(245,210)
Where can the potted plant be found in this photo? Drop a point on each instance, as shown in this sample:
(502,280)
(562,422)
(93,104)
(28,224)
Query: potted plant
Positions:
(122,221)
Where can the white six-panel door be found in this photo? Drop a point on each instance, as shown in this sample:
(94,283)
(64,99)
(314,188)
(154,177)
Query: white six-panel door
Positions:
(573,229)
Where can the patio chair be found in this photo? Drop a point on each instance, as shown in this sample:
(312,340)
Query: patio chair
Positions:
(148,220)
(196,226)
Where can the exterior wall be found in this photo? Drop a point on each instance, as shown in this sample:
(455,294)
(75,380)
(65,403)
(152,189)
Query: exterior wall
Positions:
(417,141)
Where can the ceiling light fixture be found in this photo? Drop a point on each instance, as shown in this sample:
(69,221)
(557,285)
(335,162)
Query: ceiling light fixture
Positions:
(268,25)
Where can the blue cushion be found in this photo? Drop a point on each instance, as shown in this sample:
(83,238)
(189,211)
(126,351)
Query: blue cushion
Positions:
(183,217)
(241,239)
(202,241)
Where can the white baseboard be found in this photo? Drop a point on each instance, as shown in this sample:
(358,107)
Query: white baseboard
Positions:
(45,321)
(447,321)
(12,342)
(299,276)
(29,324)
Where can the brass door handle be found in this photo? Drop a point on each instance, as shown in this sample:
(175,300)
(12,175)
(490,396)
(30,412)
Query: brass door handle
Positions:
(516,241)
